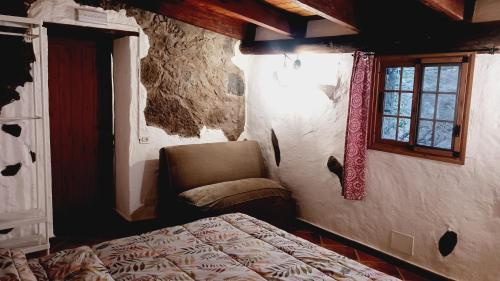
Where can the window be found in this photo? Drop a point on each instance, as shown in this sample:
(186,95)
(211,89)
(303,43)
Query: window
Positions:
(420,105)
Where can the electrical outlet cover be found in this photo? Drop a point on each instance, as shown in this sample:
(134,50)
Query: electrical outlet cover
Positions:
(402,242)
(144,140)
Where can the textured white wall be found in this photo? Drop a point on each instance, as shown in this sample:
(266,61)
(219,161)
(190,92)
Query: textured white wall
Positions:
(136,163)
(419,197)
(486,10)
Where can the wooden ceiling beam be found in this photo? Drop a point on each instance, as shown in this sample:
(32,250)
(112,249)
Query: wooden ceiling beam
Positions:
(255,12)
(186,12)
(454,9)
(476,37)
(338,11)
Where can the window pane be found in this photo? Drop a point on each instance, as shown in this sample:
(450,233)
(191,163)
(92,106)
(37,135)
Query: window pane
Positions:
(430,78)
(425,133)
(443,135)
(446,107)
(427,104)
(392,78)
(404,129)
(405,106)
(391,103)
(448,79)
(389,128)
(408,76)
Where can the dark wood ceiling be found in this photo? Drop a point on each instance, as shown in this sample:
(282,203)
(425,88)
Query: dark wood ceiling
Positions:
(381,25)
(291,6)
(384,26)
(239,18)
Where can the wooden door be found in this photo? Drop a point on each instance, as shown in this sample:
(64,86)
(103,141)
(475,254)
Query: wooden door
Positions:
(80,130)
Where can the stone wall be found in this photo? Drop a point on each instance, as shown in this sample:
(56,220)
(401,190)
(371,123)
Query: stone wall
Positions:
(190,78)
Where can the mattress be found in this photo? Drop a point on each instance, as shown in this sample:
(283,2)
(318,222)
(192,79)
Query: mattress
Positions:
(227,247)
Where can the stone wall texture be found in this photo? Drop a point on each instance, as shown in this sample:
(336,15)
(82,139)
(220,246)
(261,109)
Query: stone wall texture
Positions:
(190,78)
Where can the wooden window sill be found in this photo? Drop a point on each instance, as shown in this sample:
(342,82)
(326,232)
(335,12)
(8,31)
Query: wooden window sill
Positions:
(408,151)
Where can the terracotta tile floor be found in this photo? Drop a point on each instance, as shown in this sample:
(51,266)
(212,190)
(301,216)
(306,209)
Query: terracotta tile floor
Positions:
(379,264)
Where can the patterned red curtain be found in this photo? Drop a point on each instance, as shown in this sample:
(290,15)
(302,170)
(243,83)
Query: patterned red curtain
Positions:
(357,127)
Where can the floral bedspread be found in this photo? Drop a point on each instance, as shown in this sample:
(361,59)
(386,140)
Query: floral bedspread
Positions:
(228,247)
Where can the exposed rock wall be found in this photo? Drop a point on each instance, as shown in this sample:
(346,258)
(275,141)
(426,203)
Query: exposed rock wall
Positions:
(190,78)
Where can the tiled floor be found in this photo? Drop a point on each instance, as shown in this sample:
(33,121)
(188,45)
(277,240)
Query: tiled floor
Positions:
(304,231)
(374,262)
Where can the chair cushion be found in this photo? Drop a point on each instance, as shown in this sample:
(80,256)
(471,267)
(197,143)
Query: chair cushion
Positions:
(230,193)
(195,165)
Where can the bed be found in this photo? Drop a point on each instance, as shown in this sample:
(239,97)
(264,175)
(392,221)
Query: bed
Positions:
(227,247)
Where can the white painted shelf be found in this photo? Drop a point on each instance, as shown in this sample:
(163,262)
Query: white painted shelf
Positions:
(16,219)
(12,119)
(28,244)
(38,217)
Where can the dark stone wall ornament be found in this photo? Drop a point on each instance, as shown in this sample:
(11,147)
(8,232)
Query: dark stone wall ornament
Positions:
(6,231)
(11,170)
(16,57)
(33,156)
(15,8)
(7,96)
(447,243)
(12,129)
(336,167)
(276,148)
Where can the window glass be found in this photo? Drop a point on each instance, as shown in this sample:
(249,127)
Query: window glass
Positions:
(404,129)
(391,101)
(406,102)
(425,129)
(398,103)
(419,105)
(392,78)
(446,107)
(443,135)
(430,78)
(448,78)
(407,80)
(438,107)
(389,128)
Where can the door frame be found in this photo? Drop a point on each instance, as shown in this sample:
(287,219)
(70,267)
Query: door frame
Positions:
(104,168)
(120,38)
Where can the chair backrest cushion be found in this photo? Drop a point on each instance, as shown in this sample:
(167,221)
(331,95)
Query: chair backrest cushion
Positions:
(191,166)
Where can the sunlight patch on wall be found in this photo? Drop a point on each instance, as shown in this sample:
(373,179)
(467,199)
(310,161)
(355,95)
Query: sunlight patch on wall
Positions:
(296,89)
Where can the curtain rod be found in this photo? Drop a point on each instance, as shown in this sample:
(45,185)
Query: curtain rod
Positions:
(485,50)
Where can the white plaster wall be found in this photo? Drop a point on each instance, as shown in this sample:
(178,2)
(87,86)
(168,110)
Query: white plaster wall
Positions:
(486,10)
(143,157)
(419,197)
(136,163)
(315,28)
